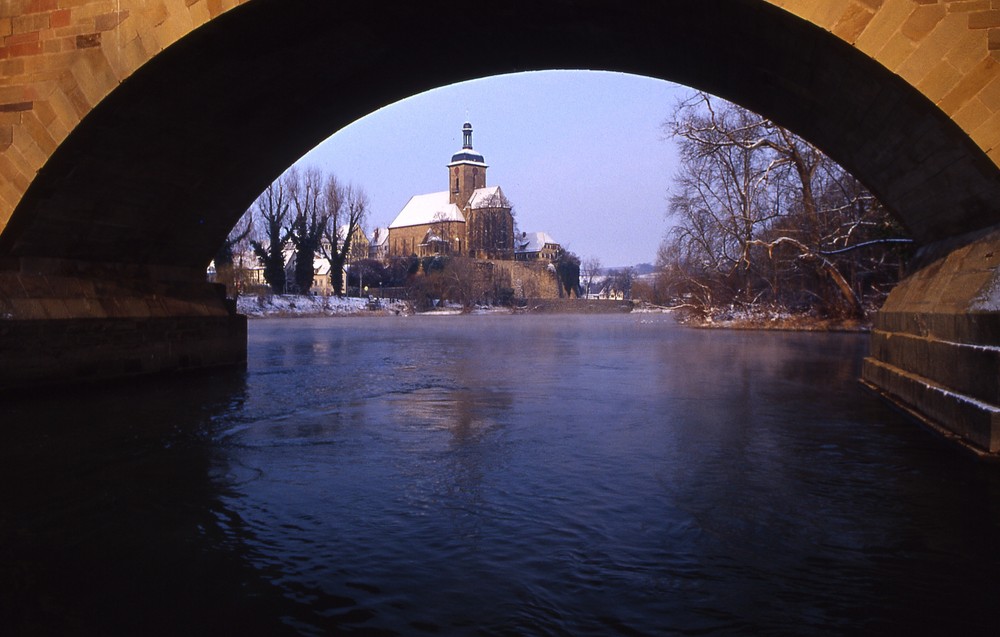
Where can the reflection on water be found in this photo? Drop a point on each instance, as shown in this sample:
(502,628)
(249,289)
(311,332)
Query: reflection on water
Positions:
(495,476)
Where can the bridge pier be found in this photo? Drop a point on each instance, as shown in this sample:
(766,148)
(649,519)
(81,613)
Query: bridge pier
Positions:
(935,344)
(59,326)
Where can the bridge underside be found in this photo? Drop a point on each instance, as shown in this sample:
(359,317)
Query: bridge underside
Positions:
(110,241)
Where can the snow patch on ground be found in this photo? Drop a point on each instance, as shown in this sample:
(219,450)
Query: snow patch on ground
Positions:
(652,309)
(295,305)
(761,317)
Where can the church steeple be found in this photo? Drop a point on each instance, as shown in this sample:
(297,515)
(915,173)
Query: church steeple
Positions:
(467,170)
(467,136)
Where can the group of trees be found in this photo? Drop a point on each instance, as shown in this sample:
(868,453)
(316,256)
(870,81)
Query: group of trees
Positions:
(760,216)
(313,214)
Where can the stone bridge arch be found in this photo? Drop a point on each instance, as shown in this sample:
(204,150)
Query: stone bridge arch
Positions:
(133,133)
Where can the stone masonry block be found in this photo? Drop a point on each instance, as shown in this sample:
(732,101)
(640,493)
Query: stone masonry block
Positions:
(887,21)
(965,6)
(852,23)
(922,21)
(972,115)
(199,12)
(31,22)
(61,18)
(970,84)
(897,50)
(987,135)
(36,6)
(984,19)
(934,47)
(108,21)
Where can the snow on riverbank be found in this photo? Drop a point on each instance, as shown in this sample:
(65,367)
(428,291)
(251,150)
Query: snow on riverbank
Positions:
(291,305)
(294,305)
(770,318)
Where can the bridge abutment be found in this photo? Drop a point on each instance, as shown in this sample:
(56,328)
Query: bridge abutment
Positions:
(59,327)
(935,345)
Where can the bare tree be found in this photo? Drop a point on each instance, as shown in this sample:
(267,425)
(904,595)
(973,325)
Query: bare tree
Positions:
(761,214)
(590,269)
(272,235)
(308,223)
(347,209)
(723,197)
(468,282)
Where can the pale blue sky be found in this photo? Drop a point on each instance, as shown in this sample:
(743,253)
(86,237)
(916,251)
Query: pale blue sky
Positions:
(581,154)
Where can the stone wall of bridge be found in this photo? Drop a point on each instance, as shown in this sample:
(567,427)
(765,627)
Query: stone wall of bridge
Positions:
(935,344)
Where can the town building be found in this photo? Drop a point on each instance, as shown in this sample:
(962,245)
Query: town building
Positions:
(468,219)
(536,246)
(379,247)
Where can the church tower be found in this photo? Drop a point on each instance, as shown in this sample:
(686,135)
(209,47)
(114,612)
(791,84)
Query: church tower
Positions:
(466,172)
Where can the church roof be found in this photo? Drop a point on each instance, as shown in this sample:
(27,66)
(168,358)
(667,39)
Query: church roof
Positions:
(488,197)
(425,209)
(467,156)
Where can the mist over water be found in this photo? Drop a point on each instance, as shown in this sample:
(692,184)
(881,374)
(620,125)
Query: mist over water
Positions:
(495,475)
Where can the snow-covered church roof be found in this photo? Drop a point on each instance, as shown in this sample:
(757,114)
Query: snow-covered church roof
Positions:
(434,207)
(488,197)
(429,208)
(467,156)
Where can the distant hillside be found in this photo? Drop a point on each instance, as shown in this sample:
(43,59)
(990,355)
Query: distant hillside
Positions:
(640,269)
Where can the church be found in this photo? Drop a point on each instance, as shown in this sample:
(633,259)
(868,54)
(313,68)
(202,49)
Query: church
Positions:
(468,219)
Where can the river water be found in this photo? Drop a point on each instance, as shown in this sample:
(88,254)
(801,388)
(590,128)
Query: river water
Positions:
(495,475)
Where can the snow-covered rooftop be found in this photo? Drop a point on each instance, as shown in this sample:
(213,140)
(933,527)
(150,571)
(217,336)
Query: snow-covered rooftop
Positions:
(429,208)
(488,197)
(342,232)
(380,236)
(533,242)
(468,156)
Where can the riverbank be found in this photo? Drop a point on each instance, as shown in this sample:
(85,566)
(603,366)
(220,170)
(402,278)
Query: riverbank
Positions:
(770,319)
(296,306)
(575,306)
